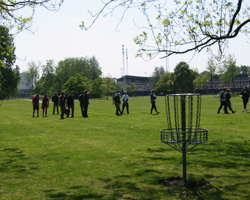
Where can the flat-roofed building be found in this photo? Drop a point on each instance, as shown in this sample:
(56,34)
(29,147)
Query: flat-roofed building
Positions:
(142,83)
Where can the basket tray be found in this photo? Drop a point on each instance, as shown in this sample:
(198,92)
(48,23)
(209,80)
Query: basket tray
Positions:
(179,136)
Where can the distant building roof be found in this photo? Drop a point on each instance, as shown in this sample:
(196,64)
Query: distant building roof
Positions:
(142,83)
(133,78)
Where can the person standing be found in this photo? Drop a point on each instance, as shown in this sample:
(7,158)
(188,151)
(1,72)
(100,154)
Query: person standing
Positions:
(228,102)
(55,100)
(62,101)
(70,103)
(245,97)
(152,100)
(35,103)
(117,102)
(223,102)
(45,105)
(85,103)
(81,99)
(125,98)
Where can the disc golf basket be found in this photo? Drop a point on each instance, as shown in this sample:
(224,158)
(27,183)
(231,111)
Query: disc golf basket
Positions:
(183,131)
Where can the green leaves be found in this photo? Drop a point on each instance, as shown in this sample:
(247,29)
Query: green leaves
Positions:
(7,47)
(10,12)
(77,84)
(166,22)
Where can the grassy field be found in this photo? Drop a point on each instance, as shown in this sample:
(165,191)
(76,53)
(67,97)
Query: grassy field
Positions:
(119,157)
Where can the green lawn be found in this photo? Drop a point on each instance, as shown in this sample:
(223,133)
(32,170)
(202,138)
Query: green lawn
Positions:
(118,157)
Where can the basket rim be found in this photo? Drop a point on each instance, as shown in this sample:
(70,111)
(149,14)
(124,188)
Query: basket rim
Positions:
(184,94)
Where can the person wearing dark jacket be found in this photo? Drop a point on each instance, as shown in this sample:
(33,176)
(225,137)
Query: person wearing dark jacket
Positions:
(117,102)
(223,102)
(152,100)
(81,100)
(55,100)
(84,103)
(245,97)
(228,102)
(70,104)
(62,101)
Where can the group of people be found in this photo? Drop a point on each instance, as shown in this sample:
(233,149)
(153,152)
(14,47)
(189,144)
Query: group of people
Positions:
(225,96)
(117,103)
(125,97)
(45,105)
(65,103)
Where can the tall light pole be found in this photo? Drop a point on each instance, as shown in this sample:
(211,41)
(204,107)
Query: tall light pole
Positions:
(123,61)
(127,59)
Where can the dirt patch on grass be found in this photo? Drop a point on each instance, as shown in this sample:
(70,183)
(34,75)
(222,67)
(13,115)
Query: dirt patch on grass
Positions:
(178,182)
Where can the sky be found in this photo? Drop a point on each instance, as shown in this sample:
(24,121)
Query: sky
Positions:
(57,36)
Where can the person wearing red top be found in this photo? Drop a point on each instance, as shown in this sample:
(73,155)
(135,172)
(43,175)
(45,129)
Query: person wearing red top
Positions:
(35,103)
(45,104)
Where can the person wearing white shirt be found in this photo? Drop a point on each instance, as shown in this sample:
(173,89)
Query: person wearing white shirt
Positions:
(125,98)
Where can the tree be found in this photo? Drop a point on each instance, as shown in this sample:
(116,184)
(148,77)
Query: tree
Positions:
(9,81)
(69,67)
(9,78)
(184,25)
(97,89)
(201,80)
(7,48)
(211,67)
(109,86)
(95,70)
(11,14)
(132,88)
(165,83)
(47,83)
(183,78)
(32,75)
(158,72)
(243,69)
(77,84)
(229,70)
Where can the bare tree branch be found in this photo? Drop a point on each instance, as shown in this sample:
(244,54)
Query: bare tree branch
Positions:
(192,25)
(10,17)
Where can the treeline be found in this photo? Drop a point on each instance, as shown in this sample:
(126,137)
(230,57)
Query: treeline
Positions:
(71,74)
(184,79)
(179,81)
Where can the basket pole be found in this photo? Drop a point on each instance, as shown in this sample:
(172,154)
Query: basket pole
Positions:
(184,141)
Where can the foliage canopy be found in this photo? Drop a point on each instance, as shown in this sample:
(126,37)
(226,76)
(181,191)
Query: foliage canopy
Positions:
(9,78)
(181,26)
(12,12)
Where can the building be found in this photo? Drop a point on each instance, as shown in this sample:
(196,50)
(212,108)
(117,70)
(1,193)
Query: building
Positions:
(216,85)
(238,82)
(142,84)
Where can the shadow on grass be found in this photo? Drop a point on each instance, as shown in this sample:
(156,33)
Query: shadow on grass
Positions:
(14,159)
(147,190)
(224,155)
(61,195)
(143,182)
